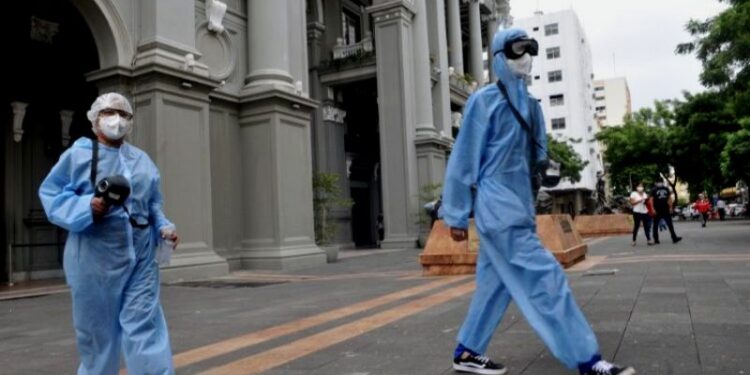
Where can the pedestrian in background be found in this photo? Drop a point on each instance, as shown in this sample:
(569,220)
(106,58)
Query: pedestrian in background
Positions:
(638,200)
(661,200)
(721,208)
(703,206)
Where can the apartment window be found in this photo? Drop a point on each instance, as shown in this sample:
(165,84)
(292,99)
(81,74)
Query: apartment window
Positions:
(537,77)
(555,100)
(558,123)
(551,29)
(536,28)
(601,109)
(351,26)
(553,53)
(554,76)
(599,88)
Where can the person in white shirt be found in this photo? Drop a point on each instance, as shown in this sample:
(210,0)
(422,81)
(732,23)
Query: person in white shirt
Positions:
(721,208)
(638,200)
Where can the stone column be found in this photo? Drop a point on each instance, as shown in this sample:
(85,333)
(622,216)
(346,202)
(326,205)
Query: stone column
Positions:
(396,103)
(475,42)
(493,22)
(500,18)
(454,36)
(441,106)
(169,90)
(332,152)
(328,130)
(167,36)
(429,21)
(422,72)
(276,148)
(268,46)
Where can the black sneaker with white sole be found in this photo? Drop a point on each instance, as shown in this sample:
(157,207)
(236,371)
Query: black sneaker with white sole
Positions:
(477,364)
(606,368)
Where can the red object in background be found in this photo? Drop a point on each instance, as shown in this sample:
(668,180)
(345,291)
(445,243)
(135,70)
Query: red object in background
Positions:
(703,206)
(650,207)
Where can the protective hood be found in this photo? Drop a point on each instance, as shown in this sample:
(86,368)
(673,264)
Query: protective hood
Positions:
(516,86)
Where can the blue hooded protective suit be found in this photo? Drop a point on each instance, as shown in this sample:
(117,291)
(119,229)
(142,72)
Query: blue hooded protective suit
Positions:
(492,152)
(109,265)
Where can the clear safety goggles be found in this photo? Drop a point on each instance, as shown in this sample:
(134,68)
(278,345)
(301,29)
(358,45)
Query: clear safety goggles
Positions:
(112,111)
(518,47)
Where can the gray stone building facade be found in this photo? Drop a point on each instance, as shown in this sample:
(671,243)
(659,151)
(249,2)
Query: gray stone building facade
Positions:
(239,103)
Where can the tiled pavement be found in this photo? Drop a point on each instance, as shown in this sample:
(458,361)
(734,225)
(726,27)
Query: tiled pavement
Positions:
(668,309)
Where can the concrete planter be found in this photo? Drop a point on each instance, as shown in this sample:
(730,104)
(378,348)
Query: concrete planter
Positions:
(332,253)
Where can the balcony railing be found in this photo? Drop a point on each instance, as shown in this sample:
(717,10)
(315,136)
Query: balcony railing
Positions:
(342,51)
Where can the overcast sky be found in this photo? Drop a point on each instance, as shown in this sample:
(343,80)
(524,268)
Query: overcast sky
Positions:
(642,35)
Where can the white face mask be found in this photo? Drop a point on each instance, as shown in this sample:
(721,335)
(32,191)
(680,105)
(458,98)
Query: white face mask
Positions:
(521,66)
(639,189)
(114,127)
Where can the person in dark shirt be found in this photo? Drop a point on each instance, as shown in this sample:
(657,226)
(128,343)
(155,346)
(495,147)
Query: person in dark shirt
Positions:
(662,202)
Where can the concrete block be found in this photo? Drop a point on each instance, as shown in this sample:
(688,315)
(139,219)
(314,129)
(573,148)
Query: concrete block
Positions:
(604,225)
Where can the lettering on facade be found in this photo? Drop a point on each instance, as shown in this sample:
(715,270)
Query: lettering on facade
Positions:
(331,113)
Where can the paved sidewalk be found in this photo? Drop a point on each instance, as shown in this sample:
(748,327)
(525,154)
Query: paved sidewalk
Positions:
(668,309)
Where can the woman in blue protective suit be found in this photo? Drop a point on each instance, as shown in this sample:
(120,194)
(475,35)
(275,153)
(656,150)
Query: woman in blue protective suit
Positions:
(109,255)
(493,152)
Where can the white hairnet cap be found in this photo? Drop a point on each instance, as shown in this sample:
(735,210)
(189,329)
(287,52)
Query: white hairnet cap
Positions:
(111,100)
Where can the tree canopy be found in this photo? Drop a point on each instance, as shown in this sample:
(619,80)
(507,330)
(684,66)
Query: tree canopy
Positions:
(571,164)
(704,137)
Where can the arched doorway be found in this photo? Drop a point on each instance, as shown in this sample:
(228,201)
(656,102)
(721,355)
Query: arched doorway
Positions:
(52,49)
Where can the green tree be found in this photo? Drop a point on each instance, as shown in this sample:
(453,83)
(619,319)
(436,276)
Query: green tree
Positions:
(571,164)
(735,159)
(722,44)
(641,148)
(704,124)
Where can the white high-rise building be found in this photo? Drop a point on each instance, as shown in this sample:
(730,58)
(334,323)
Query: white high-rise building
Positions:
(612,101)
(562,80)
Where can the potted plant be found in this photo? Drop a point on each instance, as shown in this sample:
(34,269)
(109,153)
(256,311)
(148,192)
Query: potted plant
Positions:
(327,197)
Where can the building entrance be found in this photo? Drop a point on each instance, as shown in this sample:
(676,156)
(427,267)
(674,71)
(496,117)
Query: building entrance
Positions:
(45,98)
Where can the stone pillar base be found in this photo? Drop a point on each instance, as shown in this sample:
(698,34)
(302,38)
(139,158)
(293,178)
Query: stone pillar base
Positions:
(279,259)
(399,243)
(194,265)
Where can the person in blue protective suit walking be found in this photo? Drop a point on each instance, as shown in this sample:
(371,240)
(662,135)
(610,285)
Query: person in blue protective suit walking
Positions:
(109,254)
(493,153)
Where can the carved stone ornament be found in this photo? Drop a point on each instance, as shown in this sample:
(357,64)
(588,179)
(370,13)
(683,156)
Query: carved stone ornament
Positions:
(456,118)
(66,118)
(333,114)
(19,111)
(215,11)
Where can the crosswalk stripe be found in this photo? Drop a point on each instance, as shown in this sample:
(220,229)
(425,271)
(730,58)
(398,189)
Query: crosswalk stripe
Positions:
(286,353)
(227,346)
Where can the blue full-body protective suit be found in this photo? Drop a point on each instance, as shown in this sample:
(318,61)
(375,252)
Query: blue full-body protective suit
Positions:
(492,152)
(109,264)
